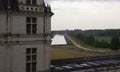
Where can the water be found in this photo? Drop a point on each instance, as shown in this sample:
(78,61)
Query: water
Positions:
(58,40)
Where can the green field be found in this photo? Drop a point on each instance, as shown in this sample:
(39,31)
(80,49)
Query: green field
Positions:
(100,38)
(69,51)
(65,52)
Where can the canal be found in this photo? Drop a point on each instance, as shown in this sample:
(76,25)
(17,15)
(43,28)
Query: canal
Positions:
(58,40)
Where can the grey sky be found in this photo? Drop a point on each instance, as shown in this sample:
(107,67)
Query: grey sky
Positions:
(85,14)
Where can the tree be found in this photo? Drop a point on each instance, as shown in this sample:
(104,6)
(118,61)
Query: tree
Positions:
(115,43)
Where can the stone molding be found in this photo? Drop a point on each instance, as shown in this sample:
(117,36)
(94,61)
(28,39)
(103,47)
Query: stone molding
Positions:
(24,35)
(44,71)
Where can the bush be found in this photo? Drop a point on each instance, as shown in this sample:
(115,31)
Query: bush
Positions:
(115,43)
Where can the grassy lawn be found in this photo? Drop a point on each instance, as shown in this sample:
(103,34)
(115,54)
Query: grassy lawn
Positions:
(71,51)
(57,53)
(68,51)
(91,47)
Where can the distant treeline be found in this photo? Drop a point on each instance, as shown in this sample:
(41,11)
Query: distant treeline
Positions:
(91,41)
(106,32)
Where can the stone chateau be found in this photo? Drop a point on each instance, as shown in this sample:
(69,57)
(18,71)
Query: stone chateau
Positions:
(25,27)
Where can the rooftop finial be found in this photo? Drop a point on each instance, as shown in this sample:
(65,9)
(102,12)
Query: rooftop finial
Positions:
(48,8)
(8,6)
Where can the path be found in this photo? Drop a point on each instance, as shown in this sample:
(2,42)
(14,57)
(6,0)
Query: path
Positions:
(86,49)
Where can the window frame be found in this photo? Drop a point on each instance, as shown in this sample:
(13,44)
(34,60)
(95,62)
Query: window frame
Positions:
(31,25)
(31,58)
(31,2)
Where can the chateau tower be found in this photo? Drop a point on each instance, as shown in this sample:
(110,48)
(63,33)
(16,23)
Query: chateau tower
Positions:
(25,27)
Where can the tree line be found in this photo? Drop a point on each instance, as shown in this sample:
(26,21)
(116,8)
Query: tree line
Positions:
(90,40)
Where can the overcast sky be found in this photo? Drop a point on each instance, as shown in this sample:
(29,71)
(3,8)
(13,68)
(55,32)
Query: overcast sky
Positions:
(85,14)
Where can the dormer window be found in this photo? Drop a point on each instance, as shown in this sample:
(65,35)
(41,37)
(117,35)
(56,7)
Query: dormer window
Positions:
(31,2)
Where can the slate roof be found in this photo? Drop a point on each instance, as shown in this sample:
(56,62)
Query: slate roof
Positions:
(86,64)
(3,4)
(13,4)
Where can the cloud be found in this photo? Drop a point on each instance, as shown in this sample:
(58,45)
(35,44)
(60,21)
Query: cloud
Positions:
(82,0)
(68,0)
(85,15)
(48,1)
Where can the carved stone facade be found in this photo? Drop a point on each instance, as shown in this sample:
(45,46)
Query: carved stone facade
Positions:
(25,27)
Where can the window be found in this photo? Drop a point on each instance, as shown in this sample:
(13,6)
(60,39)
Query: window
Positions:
(28,67)
(31,58)
(33,50)
(28,58)
(31,25)
(31,2)
(28,28)
(28,51)
(34,2)
(33,66)
(28,20)
(34,28)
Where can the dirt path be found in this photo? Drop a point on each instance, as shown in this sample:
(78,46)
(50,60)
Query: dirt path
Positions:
(86,49)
